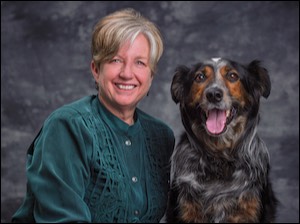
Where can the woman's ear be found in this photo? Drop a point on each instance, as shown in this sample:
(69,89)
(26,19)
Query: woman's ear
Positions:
(95,70)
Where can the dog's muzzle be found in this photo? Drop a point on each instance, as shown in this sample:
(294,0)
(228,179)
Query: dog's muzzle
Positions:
(218,119)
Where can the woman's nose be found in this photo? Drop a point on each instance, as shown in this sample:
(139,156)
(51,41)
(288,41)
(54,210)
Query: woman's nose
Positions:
(127,71)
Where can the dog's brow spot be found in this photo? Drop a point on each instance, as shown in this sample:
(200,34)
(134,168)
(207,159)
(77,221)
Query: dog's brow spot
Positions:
(216,59)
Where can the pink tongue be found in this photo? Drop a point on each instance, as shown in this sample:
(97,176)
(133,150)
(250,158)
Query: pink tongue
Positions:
(216,120)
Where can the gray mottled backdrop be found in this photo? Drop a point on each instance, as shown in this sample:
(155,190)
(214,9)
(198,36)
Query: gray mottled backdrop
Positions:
(45,56)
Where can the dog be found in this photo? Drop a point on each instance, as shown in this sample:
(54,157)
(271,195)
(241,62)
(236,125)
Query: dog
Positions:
(220,166)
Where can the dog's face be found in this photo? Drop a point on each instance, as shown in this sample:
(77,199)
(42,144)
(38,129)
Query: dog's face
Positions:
(219,97)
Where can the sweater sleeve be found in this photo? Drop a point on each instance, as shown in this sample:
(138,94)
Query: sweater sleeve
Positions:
(59,171)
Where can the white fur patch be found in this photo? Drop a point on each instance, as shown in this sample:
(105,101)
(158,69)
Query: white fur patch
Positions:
(216,59)
(189,179)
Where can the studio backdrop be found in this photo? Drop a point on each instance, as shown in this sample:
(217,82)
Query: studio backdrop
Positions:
(45,63)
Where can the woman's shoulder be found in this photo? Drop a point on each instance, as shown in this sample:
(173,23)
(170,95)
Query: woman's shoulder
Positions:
(77,109)
(79,106)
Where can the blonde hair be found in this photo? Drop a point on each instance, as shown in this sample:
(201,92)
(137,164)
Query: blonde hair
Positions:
(124,25)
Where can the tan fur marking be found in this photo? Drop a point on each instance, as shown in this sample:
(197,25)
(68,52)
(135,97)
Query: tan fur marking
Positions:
(248,211)
(191,212)
(197,89)
(235,88)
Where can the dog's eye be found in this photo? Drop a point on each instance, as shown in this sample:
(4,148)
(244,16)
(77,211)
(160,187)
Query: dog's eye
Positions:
(232,76)
(200,77)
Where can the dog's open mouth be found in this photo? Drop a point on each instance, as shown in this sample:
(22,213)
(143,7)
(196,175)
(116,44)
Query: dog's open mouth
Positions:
(217,120)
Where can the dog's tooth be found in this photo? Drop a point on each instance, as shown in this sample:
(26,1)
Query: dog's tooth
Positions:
(227,113)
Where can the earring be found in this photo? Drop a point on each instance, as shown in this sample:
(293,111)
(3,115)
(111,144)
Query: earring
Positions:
(96,85)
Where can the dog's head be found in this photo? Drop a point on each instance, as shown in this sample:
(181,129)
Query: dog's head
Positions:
(219,98)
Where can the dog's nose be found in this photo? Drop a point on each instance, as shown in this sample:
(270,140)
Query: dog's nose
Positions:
(214,95)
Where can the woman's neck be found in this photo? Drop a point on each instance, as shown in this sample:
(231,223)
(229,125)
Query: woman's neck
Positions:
(126,114)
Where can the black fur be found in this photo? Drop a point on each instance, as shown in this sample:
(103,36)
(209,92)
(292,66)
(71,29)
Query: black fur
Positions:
(220,175)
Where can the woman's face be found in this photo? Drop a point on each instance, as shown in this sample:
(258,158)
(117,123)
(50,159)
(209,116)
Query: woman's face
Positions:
(127,78)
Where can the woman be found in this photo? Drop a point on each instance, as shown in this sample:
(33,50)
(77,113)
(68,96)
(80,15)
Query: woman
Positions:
(101,159)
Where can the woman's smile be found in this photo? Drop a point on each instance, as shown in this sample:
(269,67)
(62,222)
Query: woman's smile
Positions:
(125,86)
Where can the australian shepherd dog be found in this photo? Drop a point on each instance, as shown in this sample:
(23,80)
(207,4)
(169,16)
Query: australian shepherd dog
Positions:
(220,166)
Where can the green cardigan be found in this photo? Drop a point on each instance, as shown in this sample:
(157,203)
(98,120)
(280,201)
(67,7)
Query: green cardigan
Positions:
(87,165)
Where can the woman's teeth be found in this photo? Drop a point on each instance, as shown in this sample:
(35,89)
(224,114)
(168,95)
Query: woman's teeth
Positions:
(125,87)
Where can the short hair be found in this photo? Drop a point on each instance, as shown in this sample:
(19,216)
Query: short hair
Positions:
(124,25)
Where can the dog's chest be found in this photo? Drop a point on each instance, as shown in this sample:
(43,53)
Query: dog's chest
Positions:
(218,169)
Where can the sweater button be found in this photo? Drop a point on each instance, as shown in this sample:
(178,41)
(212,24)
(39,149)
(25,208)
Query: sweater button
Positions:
(136,212)
(128,142)
(134,179)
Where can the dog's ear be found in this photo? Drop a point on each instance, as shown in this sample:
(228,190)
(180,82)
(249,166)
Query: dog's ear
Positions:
(261,80)
(177,90)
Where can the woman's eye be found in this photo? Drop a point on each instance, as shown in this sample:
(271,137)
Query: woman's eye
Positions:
(200,77)
(140,63)
(232,76)
(115,60)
